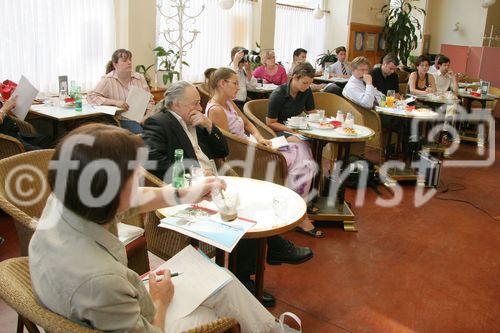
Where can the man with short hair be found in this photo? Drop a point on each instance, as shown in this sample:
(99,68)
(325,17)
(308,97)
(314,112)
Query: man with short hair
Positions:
(181,125)
(359,89)
(446,79)
(435,67)
(340,68)
(385,77)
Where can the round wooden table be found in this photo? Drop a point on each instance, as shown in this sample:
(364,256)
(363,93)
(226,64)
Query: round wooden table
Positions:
(407,117)
(340,211)
(257,203)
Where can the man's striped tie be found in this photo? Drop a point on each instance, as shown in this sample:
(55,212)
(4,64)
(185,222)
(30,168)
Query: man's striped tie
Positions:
(344,71)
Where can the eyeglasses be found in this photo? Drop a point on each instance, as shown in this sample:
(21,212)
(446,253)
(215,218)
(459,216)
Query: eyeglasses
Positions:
(233,82)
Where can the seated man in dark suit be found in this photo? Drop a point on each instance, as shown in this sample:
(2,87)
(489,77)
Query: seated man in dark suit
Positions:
(181,125)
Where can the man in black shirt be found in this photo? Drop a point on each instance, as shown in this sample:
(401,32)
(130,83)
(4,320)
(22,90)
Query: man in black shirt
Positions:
(385,77)
(291,99)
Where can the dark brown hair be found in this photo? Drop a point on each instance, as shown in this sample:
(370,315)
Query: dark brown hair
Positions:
(235,50)
(390,57)
(120,53)
(222,73)
(208,73)
(340,49)
(110,143)
(421,59)
(304,69)
(443,60)
(298,51)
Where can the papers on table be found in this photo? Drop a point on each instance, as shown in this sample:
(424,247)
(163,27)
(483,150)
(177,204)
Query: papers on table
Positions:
(137,101)
(26,94)
(208,227)
(200,279)
(106,109)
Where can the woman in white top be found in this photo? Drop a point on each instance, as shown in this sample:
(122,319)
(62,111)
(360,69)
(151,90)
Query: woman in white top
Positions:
(78,266)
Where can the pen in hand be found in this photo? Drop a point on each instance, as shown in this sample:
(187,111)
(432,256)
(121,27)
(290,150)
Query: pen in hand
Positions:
(160,277)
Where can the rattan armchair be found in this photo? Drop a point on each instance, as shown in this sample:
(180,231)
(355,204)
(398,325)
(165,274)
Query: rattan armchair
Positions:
(262,158)
(204,94)
(16,291)
(9,145)
(25,203)
(256,111)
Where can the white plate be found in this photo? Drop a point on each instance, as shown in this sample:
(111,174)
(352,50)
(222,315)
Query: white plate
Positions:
(321,127)
(296,127)
(341,131)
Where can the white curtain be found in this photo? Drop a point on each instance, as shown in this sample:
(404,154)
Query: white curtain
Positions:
(43,39)
(296,27)
(220,29)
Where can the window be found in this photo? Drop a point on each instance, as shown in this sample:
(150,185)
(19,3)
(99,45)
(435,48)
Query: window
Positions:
(45,39)
(220,30)
(296,27)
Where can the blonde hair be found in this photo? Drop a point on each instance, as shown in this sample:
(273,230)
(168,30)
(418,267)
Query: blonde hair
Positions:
(220,74)
(358,61)
(266,54)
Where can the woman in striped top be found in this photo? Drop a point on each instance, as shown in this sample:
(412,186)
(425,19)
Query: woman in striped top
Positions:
(114,87)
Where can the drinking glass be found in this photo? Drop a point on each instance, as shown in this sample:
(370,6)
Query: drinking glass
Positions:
(227,203)
(391,93)
(321,114)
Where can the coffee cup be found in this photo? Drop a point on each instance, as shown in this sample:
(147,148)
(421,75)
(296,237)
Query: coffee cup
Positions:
(314,117)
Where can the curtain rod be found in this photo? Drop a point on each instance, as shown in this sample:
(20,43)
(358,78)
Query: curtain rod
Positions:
(300,7)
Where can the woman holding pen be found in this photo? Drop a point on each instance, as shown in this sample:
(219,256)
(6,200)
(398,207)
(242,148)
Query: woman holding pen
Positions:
(78,266)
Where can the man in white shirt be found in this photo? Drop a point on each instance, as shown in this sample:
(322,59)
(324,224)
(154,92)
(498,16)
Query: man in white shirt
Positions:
(341,67)
(359,89)
(446,79)
(434,68)
(245,75)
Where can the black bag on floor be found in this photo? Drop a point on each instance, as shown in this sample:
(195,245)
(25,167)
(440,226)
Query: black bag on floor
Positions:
(352,181)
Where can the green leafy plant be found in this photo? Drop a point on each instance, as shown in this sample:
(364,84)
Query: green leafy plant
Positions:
(142,69)
(401,28)
(326,57)
(167,62)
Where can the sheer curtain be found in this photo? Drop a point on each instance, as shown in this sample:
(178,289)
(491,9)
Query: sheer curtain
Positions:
(43,39)
(296,27)
(221,30)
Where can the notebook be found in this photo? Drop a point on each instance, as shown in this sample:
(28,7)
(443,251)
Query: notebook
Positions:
(200,279)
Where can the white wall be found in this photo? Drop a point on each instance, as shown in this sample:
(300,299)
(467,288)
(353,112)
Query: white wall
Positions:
(364,11)
(442,16)
(336,23)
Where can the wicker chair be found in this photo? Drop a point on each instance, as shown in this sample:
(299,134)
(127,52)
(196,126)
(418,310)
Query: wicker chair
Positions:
(204,94)
(16,291)
(238,149)
(403,89)
(27,213)
(256,111)
(372,120)
(9,145)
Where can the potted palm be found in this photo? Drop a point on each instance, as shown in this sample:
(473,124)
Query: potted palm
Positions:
(142,69)
(326,59)
(401,28)
(167,61)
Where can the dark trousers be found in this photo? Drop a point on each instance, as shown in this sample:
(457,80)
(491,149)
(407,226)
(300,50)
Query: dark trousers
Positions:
(246,255)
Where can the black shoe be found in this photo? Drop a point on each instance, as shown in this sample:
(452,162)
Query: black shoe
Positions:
(289,254)
(268,300)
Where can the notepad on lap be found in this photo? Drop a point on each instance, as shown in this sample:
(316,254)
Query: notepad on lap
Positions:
(26,94)
(200,279)
(137,100)
(278,142)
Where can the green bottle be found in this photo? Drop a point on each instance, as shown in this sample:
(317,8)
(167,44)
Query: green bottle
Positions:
(178,180)
(78,100)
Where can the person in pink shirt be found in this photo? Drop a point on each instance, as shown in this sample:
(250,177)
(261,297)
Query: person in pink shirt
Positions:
(270,71)
(114,87)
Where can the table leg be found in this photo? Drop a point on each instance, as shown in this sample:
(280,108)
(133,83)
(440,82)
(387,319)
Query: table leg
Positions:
(220,257)
(318,156)
(344,153)
(389,138)
(261,265)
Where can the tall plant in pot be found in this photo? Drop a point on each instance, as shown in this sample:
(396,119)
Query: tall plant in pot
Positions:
(402,28)
(326,59)
(167,62)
